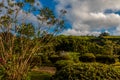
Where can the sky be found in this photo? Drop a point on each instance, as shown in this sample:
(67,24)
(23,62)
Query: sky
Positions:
(84,17)
(88,17)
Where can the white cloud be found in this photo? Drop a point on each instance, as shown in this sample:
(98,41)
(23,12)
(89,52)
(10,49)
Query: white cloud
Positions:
(87,16)
(117,31)
(77,32)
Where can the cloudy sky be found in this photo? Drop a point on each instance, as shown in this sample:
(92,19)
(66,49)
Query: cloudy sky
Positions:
(85,17)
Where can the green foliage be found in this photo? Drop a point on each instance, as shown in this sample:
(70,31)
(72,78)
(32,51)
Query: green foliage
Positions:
(72,44)
(87,44)
(62,63)
(2,73)
(18,51)
(107,59)
(35,61)
(85,71)
(108,47)
(104,34)
(30,1)
(87,57)
(40,76)
(26,30)
(74,56)
(116,50)
(65,56)
(45,60)
(54,58)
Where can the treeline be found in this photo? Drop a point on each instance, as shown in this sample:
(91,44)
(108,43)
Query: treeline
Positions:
(83,48)
(88,44)
(86,57)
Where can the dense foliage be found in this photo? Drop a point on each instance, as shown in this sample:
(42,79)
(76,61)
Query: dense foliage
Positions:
(21,39)
(87,57)
(88,71)
(87,44)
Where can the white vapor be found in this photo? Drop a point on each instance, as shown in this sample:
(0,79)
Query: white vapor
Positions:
(88,18)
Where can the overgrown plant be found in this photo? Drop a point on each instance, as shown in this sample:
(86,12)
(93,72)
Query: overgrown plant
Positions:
(20,40)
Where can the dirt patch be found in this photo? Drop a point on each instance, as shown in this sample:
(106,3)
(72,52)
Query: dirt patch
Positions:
(50,70)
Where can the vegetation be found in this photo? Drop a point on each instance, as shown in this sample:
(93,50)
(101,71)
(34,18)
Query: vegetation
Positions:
(87,57)
(21,40)
(88,71)
(40,76)
(25,46)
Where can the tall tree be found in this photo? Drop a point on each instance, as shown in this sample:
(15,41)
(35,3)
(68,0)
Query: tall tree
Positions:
(19,37)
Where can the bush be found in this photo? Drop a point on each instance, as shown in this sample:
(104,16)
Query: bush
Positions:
(88,71)
(74,56)
(119,57)
(65,56)
(87,57)
(107,59)
(46,61)
(35,61)
(62,63)
(54,58)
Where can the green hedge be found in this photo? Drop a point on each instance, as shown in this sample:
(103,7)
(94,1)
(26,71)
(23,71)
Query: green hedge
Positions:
(54,58)
(62,63)
(107,59)
(88,71)
(87,57)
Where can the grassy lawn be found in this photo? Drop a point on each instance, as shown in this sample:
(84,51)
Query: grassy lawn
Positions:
(40,76)
(42,73)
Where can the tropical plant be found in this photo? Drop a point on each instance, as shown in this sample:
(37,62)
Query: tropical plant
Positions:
(20,39)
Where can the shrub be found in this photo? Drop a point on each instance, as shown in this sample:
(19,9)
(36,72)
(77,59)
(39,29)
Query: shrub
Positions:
(87,57)
(119,57)
(65,56)
(74,56)
(54,58)
(35,61)
(46,61)
(88,71)
(107,59)
(62,63)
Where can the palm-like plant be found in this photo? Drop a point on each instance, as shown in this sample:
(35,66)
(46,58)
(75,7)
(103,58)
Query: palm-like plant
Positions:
(19,40)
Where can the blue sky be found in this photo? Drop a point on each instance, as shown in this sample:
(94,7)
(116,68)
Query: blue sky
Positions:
(48,3)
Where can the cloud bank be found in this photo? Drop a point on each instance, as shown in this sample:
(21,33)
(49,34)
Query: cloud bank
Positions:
(88,17)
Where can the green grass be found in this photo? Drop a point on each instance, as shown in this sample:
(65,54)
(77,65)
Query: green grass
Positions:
(112,37)
(40,76)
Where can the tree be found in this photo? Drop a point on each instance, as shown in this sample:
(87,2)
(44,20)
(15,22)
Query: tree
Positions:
(19,38)
(104,34)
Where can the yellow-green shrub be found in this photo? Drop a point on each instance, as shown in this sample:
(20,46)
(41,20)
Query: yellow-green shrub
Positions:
(88,71)
(107,59)
(87,57)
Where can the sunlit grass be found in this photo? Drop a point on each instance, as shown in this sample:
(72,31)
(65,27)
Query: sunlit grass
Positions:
(40,75)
